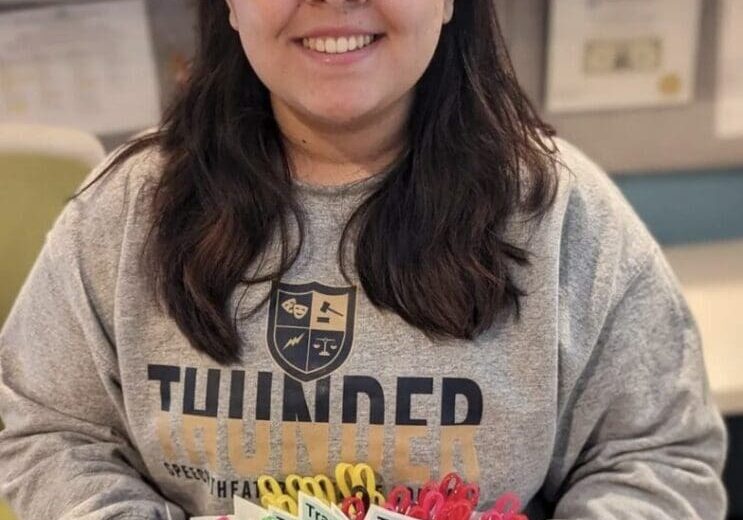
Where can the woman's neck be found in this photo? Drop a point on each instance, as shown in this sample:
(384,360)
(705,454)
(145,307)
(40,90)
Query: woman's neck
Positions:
(338,154)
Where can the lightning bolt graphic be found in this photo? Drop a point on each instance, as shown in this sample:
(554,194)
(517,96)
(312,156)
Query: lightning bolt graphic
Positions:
(292,342)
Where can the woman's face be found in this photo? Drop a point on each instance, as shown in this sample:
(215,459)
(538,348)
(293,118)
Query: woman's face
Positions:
(315,56)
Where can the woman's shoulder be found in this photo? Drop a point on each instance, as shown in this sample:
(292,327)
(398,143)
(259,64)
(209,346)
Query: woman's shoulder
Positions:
(590,243)
(595,216)
(122,170)
(108,204)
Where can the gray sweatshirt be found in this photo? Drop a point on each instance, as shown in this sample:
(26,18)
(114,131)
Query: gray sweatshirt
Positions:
(595,405)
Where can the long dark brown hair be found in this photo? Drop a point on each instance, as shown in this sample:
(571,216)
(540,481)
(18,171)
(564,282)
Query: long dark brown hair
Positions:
(427,242)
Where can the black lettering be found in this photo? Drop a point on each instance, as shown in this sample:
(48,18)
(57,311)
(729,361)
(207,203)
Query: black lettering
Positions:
(295,405)
(355,385)
(166,374)
(263,397)
(246,490)
(222,488)
(322,400)
(187,473)
(170,470)
(470,390)
(212,393)
(233,487)
(237,391)
(406,387)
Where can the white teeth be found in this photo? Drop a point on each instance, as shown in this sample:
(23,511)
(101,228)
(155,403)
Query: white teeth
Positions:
(338,45)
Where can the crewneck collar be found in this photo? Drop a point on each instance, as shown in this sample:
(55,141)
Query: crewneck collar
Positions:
(356,187)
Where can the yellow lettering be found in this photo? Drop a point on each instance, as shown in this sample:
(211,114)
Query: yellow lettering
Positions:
(208,427)
(314,437)
(464,436)
(244,464)
(375,444)
(405,471)
(165,435)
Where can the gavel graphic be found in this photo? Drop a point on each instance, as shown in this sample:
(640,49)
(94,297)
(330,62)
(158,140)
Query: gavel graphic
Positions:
(325,307)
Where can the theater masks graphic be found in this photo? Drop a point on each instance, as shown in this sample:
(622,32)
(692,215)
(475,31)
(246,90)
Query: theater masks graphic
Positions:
(310,328)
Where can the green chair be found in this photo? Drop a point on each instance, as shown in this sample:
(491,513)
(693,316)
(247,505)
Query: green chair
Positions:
(5,512)
(40,166)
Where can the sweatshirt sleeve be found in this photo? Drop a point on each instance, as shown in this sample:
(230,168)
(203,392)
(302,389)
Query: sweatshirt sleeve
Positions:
(65,451)
(649,441)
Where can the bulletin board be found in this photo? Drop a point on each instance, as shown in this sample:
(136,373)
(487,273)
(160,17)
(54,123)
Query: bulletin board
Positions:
(172,26)
(645,140)
(622,141)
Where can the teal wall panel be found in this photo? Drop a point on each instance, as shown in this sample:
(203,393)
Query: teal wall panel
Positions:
(688,207)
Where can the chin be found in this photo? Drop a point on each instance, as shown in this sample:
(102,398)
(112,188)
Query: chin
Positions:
(341,115)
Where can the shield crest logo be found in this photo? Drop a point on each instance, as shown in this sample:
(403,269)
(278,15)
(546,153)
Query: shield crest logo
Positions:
(310,328)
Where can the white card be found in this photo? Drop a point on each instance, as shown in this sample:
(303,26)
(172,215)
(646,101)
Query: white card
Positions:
(280,514)
(380,513)
(312,508)
(337,512)
(247,510)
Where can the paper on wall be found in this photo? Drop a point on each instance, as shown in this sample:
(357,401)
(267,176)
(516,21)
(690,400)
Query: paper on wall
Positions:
(729,116)
(611,54)
(89,65)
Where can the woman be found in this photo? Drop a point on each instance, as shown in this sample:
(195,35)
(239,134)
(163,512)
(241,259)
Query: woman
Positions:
(351,239)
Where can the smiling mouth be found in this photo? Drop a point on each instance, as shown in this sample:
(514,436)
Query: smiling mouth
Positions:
(342,45)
